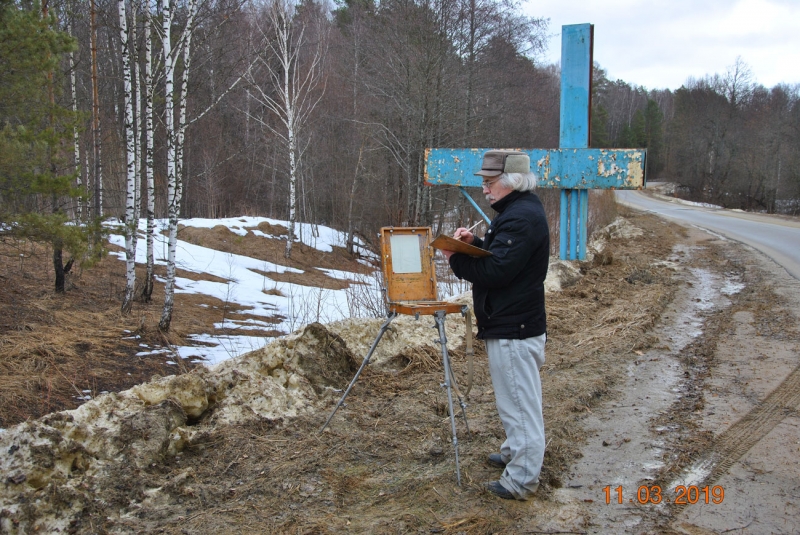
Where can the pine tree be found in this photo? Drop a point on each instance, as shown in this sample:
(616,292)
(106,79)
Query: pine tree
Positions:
(36,177)
(599,136)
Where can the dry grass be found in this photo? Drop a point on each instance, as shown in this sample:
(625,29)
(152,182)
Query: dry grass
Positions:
(602,211)
(386,463)
(56,350)
(304,257)
(310,277)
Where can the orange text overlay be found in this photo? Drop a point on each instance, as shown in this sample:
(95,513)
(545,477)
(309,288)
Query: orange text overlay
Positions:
(680,495)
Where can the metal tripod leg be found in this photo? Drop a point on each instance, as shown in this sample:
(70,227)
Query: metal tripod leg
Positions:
(392,315)
(448,374)
(460,401)
(454,383)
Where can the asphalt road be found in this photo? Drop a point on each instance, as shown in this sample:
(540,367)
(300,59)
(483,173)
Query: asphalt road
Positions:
(776,237)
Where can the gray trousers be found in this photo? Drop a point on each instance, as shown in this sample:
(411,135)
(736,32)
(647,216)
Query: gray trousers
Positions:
(514,366)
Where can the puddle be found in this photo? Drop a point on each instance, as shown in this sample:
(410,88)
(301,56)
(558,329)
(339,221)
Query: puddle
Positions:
(622,453)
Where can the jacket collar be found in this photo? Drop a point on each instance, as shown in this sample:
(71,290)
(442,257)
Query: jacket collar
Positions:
(503,203)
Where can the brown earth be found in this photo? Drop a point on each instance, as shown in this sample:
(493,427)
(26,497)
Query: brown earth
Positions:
(57,349)
(386,463)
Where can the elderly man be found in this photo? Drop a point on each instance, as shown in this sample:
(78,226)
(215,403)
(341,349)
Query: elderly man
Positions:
(508,296)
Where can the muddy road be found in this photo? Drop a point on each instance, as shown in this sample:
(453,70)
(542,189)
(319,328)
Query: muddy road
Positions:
(671,396)
(706,423)
(728,377)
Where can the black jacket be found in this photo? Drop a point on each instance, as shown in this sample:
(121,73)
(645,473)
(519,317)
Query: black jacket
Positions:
(508,287)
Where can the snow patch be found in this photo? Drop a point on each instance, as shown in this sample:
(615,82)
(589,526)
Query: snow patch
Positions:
(621,228)
(561,274)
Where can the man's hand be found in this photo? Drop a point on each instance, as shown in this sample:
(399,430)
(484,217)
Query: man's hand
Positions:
(447,254)
(464,235)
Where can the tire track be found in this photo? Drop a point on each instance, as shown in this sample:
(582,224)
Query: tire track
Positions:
(733,444)
(707,459)
(738,439)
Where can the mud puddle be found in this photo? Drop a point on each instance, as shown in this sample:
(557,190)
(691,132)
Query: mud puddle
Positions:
(623,453)
(752,407)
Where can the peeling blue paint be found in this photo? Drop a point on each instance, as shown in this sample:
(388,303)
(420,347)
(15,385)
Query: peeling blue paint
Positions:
(556,168)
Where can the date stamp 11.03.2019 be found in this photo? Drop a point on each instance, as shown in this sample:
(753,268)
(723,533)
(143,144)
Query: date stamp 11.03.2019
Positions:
(680,495)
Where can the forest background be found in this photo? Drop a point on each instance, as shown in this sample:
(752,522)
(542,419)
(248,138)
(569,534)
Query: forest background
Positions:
(321,113)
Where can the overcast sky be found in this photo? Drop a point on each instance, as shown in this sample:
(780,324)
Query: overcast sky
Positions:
(660,43)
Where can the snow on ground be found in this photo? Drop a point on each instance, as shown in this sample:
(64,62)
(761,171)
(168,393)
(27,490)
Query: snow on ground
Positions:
(293,305)
(61,454)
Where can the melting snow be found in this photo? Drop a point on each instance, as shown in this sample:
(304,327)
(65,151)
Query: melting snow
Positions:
(288,305)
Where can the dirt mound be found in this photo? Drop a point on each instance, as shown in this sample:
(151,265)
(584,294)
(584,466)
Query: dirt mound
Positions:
(561,274)
(404,336)
(58,453)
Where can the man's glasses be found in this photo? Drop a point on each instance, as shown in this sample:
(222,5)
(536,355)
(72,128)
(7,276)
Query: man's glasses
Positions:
(489,183)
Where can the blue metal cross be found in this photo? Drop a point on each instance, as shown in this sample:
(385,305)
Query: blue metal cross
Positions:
(573,167)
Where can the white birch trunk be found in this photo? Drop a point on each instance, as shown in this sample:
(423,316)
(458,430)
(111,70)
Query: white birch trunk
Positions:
(136,127)
(98,168)
(172,190)
(175,148)
(288,59)
(137,120)
(98,171)
(76,145)
(290,136)
(85,172)
(130,152)
(182,95)
(149,164)
(295,88)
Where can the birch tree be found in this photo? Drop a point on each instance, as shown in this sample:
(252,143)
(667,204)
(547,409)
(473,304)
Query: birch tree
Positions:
(76,146)
(172,200)
(149,165)
(171,51)
(131,221)
(96,141)
(137,119)
(175,123)
(292,91)
(183,91)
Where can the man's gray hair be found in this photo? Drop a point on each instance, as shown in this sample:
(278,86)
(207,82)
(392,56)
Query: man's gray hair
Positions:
(519,181)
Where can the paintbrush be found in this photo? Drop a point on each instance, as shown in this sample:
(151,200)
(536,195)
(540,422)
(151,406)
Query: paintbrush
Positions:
(470,229)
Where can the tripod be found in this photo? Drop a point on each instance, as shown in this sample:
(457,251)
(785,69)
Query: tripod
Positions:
(439,312)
